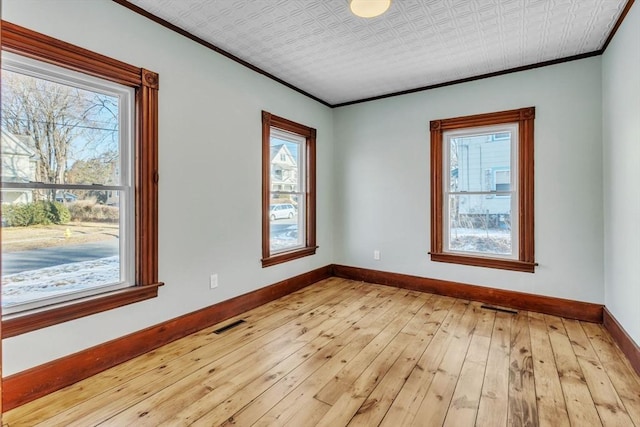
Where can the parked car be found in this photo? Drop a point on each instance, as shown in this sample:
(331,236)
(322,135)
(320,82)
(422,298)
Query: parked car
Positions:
(283,210)
(65,197)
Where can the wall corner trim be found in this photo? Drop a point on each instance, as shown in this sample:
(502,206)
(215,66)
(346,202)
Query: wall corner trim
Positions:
(628,346)
(578,310)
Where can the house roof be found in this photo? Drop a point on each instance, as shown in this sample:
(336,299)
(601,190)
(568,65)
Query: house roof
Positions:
(275,151)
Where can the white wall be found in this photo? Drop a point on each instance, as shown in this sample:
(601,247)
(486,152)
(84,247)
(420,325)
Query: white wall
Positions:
(382,198)
(210,171)
(373,187)
(621,135)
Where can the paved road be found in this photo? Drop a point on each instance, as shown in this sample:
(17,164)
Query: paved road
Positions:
(16,262)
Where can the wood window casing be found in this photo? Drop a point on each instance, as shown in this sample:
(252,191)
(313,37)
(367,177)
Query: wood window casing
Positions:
(309,248)
(28,43)
(525,119)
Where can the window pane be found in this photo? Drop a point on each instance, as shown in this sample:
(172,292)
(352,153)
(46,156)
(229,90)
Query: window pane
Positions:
(480,223)
(286,211)
(55,133)
(474,160)
(285,172)
(52,249)
(286,222)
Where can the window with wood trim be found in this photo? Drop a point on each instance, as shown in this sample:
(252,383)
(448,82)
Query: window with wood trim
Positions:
(79,182)
(482,190)
(288,190)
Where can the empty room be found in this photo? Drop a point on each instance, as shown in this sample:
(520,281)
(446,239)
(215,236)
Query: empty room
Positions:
(320,212)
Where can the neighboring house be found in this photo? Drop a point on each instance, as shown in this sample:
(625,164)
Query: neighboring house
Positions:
(483,165)
(19,164)
(284,169)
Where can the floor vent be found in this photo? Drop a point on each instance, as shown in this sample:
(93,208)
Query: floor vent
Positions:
(229,326)
(503,310)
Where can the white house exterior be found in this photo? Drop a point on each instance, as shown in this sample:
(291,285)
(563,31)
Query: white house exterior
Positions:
(284,169)
(483,165)
(19,163)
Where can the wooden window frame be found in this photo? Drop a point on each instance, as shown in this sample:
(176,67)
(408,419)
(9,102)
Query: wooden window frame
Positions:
(28,43)
(525,119)
(268,121)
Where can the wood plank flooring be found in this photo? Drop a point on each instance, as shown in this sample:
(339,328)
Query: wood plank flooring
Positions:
(342,353)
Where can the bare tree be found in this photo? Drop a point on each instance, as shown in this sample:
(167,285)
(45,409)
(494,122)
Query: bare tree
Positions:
(64,122)
(100,170)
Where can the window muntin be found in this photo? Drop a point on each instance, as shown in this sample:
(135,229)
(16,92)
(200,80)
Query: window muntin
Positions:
(479,218)
(77,131)
(145,84)
(288,190)
(500,184)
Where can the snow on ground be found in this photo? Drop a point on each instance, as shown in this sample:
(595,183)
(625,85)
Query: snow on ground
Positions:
(491,241)
(60,279)
(29,285)
(285,239)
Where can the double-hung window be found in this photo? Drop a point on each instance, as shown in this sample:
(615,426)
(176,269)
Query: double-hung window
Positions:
(482,190)
(288,190)
(66,143)
(79,181)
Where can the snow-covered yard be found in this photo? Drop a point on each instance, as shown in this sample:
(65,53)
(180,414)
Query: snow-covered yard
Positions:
(287,238)
(492,241)
(65,278)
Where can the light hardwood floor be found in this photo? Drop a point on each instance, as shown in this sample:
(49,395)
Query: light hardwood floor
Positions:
(348,353)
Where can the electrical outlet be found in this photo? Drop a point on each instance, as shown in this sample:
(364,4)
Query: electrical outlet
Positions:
(376,255)
(213,281)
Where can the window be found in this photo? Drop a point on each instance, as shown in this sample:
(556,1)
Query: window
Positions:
(482,190)
(64,136)
(79,182)
(503,180)
(288,190)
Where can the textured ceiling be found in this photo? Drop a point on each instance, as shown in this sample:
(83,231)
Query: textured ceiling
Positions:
(319,47)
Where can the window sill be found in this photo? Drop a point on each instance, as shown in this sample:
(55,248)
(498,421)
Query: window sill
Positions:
(503,264)
(26,322)
(288,256)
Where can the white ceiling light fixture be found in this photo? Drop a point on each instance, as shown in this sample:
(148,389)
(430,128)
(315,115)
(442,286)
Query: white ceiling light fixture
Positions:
(369,8)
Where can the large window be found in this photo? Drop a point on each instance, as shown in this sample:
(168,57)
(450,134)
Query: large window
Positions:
(482,190)
(79,182)
(288,190)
